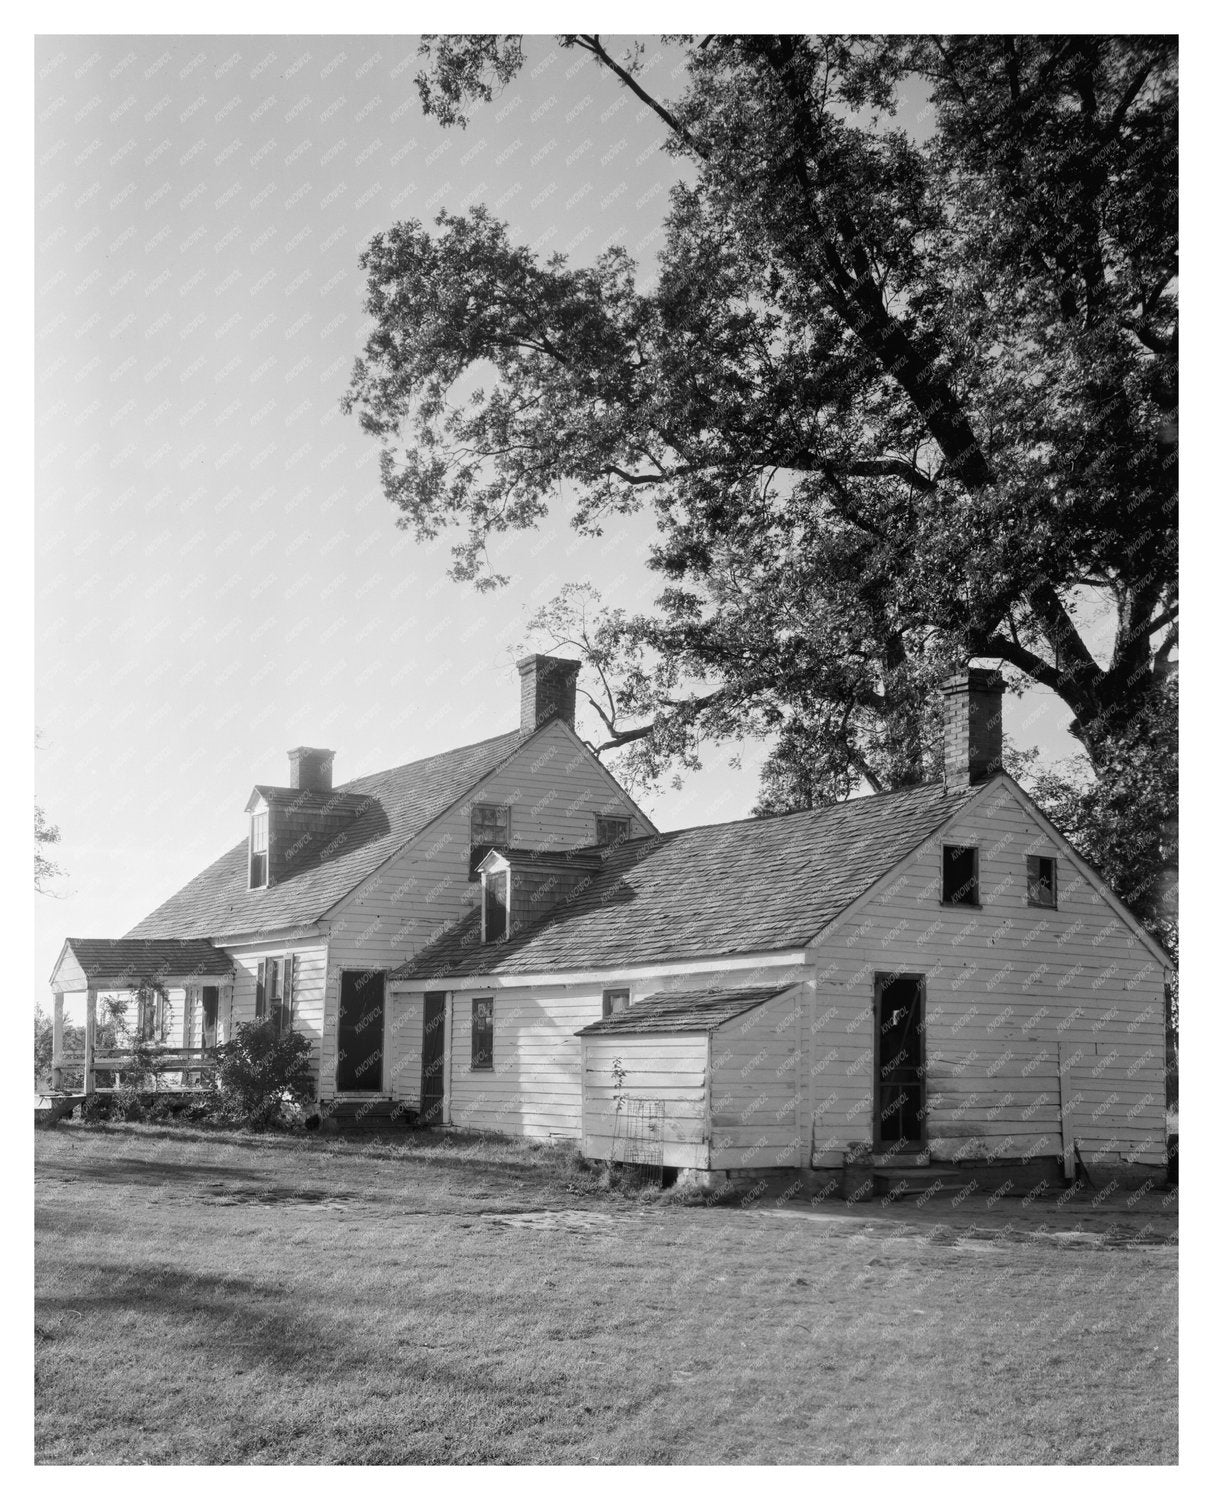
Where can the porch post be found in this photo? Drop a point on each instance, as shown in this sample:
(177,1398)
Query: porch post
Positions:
(90,1041)
(57,1045)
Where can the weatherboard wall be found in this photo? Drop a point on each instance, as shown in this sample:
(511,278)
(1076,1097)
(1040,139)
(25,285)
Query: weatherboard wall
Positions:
(1028,1010)
(755,1086)
(535,1085)
(554,788)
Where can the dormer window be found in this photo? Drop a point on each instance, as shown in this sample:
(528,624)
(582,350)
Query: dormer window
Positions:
(496,904)
(259,849)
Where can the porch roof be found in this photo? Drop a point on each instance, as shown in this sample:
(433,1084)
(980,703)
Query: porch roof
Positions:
(126,963)
(692,1010)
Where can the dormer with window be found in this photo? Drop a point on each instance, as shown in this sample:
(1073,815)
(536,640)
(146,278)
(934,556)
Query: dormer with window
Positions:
(519,887)
(259,844)
(296,827)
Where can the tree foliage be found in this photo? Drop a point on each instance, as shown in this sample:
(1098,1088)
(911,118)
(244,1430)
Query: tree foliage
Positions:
(893,403)
(262,1074)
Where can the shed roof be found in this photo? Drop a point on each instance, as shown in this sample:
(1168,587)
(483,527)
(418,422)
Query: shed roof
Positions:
(754,886)
(397,805)
(692,1010)
(135,960)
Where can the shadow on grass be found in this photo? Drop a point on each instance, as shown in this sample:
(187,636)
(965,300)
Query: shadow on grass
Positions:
(249,1321)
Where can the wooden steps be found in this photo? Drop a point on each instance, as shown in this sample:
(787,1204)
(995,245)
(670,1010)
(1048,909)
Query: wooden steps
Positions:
(367,1116)
(913,1182)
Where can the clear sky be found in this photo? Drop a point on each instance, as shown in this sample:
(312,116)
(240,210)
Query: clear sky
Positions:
(218,576)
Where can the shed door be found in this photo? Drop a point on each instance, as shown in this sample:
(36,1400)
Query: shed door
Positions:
(433,1056)
(360,1032)
(901,1093)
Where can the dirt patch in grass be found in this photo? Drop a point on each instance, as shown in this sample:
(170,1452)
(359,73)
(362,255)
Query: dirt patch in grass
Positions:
(211,1299)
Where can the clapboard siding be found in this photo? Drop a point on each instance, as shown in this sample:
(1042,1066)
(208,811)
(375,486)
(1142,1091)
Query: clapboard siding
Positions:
(307,987)
(1005,985)
(536,1083)
(553,786)
(756,1084)
(617,1070)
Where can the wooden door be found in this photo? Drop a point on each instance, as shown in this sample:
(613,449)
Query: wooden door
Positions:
(901,1089)
(360,1032)
(433,1057)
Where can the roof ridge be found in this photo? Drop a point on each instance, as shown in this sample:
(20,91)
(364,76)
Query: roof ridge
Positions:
(798,812)
(408,765)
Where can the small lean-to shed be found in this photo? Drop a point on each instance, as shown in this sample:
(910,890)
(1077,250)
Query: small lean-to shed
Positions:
(703,1079)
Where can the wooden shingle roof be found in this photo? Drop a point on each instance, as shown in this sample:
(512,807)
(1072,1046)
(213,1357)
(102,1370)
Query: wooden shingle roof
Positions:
(755,886)
(395,805)
(693,1010)
(128,960)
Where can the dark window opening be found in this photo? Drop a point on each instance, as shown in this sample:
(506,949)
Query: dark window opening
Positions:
(210,1015)
(482,1035)
(615,1000)
(496,907)
(959,875)
(613,830)
(1042,880)
(901,1062)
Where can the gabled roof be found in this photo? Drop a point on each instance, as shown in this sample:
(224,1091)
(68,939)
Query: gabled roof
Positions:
(131,960)
(754,886)
(399,803)
(693,1010)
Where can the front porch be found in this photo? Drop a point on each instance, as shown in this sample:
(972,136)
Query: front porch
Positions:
(178,986)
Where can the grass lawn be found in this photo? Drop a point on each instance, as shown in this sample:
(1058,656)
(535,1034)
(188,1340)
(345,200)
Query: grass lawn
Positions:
(223,1298)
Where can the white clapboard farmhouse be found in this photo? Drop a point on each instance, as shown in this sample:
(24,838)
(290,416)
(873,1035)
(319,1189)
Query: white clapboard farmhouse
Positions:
(498,938)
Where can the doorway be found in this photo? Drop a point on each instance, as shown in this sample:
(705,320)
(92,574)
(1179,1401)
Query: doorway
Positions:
(360,1032)
(433,1057)
(901,1089)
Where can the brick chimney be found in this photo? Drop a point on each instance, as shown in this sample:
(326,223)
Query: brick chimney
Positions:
(311,770)
(972,726)
(549,691)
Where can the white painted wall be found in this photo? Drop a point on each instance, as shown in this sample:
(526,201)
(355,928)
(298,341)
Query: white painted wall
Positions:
(1005,985)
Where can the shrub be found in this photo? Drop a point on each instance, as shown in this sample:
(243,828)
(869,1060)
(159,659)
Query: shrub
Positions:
(263,1078)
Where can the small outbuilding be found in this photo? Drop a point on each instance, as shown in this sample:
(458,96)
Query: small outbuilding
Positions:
(702,1079)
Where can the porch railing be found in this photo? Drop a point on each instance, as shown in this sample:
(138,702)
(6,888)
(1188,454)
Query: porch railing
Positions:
(119,1060)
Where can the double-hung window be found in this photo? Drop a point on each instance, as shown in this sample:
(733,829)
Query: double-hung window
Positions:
(276,992)
(490,829)
(1042,880)
(482,1033)
(259,850)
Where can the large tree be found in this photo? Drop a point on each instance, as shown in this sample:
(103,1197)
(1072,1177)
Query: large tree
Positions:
(893,403)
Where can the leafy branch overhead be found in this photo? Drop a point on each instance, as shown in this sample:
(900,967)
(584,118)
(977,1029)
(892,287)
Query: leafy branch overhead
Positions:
(892,403)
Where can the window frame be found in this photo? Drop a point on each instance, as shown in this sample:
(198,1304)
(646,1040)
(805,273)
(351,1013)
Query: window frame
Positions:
(973,903)
(612,990)
(261,818)
(1032,900)
(477,1064)
(503,935)
(477,849)
(276,1003)
(601,818)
